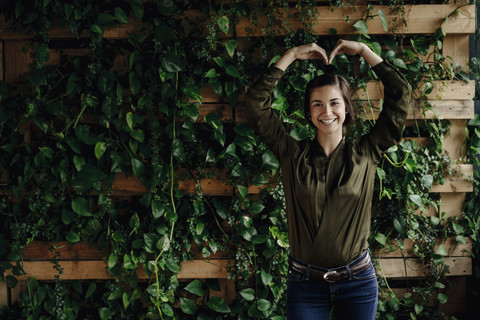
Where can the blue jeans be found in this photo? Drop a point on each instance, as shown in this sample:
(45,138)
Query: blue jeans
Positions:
(353,299)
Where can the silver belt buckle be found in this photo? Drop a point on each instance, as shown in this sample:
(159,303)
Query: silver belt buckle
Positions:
(327,274)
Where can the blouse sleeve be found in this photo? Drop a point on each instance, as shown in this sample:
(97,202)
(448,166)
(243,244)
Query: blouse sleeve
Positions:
(388,128)
(262,118)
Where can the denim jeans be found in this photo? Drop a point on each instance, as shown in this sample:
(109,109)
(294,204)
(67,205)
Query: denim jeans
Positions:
(353,299)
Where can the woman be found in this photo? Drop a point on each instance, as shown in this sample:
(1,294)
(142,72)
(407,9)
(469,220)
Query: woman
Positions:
(328,183)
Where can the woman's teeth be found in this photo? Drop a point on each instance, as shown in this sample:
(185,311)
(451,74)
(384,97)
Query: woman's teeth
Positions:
(327,121)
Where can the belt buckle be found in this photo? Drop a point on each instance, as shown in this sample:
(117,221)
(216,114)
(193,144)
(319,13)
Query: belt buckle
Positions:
(327,274)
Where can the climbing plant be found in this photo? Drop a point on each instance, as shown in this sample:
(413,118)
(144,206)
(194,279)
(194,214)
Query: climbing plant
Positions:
(131,105)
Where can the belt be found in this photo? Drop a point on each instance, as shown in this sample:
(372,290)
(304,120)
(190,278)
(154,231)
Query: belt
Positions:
(331,275)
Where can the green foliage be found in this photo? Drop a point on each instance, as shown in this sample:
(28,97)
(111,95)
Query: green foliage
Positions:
(146,125)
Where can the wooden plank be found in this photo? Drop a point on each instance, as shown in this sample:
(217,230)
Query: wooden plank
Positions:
(227,290)
(457,47)
(454,144)
(452,204)
(97,270)
(3,294)
(445,90)
(456,291)
(216,186)
(414,268)
(40,250)
(2,68)
(17,63)
(454,248)
(459,183)
(420,19)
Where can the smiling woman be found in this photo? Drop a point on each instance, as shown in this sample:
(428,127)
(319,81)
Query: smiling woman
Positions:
(329,183)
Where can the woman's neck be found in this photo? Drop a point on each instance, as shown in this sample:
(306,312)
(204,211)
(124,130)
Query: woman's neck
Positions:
(329,142)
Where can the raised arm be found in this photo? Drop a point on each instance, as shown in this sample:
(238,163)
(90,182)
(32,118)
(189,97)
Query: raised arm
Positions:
(388,128)
(258,100)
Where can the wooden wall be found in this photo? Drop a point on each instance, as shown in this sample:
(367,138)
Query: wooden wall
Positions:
(452,100)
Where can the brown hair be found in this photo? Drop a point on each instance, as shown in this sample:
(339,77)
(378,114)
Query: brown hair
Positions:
(329,79)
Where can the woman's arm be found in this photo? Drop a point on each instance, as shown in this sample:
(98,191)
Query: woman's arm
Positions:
(352,48)
(305,52)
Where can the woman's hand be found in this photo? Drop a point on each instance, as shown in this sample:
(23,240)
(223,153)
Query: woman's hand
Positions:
(353,48)
(304,52)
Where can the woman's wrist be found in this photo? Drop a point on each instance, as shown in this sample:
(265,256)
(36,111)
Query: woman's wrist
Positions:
(369,56)
(285,60)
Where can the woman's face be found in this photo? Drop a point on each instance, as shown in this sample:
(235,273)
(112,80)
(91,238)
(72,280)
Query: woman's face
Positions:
(327,109)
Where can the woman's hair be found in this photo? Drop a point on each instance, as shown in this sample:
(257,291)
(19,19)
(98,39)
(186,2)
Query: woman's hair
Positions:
(329,79)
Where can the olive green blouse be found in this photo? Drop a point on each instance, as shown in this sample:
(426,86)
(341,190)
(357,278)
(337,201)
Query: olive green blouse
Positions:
(329,199)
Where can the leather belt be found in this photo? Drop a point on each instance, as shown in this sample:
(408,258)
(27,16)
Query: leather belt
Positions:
(332,275)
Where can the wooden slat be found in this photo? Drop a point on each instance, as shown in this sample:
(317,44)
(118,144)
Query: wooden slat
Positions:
(419,19)
(413,268)
(445,90)
(3,294)
(96,270)
(457,47)
(39,250)
(455,142)
(2,68)
(217,187)
(17,63)
(454,248)
(459,183)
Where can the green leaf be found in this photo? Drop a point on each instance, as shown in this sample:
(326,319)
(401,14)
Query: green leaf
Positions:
(128,262)
(11,281)
(105,18)
(91,290)
(81,207)
(158,209)
(299,133)
(418,308)
(105,313)
(72,237)
(129,120)
(138,168)
(125,300)
(100,148)
(269,161)
(248,294)
(399,63)
(222,209)
(120,15)
(172,63)
(212,73)
(427,181)
(195,287)
(243,191)
(383,19)
(266,278)
(137,8)
(399,225)
(168,310)
(381,173)
(442,251)
(188,306)
(263,305)
(380,237)
(173,266)
(112,260)
(428,87)
(442,298)
(232,71)
(166,7)
(223,23)
(218,304)
(280,104)
(362,27)
(415,198)
(231,45)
